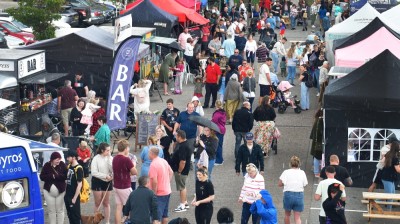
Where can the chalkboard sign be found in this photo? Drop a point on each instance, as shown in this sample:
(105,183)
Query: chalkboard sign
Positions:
(146,126)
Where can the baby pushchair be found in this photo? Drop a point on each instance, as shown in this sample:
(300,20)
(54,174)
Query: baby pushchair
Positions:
(130,123)
(281,102)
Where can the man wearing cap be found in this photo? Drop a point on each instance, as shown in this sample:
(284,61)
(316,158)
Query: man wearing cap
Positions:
(242,123)
(322,191)
(333,206)
(250,152)
(341,173)
(74,185)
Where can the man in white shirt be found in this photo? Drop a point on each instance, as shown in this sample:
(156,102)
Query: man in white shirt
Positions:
(322,191)
(323,73)
(277,52)
(264,80)
(183,37)
(55,141)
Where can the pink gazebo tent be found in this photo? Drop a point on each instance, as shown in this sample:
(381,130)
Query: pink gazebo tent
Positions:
(366,44)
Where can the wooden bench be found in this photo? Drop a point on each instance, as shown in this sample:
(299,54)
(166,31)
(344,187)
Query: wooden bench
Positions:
(374,200)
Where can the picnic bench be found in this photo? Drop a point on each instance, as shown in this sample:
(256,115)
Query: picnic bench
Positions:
(374,202)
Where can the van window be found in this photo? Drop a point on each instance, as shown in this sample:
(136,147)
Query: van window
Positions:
(14,194)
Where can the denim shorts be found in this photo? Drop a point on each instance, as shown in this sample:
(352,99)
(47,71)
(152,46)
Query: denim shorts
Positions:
(162,204)
(293,201)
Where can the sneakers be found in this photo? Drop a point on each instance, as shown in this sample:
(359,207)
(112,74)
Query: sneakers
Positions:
(317,94)
(181,209)
(218,164)
(187,206)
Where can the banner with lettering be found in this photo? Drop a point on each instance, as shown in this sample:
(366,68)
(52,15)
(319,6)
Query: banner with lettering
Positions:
(121,79)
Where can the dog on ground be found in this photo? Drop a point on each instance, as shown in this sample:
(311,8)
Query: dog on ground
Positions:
(92,219)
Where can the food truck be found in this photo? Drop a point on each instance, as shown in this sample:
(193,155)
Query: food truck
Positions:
(23,79)
(20,198)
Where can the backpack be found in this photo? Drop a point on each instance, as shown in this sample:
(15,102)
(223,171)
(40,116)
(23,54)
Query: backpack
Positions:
(310,82)
(85,190)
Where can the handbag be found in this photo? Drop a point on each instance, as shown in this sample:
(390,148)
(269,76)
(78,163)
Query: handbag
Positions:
(221,52)
(203,160)
(247,94)
(305,15)
(277,133)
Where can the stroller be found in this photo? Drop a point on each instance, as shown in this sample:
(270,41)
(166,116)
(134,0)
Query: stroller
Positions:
(281,101)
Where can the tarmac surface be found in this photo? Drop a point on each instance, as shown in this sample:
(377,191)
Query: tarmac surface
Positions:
(295,129)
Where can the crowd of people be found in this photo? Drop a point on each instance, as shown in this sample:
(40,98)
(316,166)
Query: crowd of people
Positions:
(235,64)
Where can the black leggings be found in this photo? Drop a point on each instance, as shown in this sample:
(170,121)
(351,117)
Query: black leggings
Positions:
(203,213)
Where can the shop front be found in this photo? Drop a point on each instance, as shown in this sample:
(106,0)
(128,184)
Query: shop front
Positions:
(23,80)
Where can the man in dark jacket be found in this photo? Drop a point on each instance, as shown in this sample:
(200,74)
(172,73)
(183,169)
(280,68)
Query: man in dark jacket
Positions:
(250,152)
(242,123)
(142,204)
(334,207)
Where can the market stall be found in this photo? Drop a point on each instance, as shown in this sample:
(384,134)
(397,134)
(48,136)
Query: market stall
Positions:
(24,80)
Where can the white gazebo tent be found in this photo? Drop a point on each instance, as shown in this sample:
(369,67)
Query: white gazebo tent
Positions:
(351,25)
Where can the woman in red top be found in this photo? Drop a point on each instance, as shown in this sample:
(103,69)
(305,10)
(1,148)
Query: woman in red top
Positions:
(84,157)
(100,112)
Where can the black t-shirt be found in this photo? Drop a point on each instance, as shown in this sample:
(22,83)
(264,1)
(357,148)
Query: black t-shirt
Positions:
(276,10)
(341,173)
(165,142)
(170,116)
(79,87)
(204,189)
(389,173)
(305,78)
(72,180)
(183,152)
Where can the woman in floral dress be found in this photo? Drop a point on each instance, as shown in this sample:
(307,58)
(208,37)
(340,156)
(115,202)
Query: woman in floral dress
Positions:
(264,115)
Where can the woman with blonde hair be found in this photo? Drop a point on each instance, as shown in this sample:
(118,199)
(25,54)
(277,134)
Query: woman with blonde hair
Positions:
(253,184)
(163,141)
(140,91)
(293,181)
(151,142)
(292,59)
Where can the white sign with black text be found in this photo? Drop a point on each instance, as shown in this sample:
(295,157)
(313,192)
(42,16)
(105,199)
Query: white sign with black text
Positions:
(7,66)
(31,65)
(123,28)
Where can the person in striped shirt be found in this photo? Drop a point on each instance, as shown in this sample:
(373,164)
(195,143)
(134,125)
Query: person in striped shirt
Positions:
(253,184)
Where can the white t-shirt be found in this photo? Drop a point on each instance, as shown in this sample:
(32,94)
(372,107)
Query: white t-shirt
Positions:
(262,78)
(322,190)
(293,180)
(251,46)
(189,50)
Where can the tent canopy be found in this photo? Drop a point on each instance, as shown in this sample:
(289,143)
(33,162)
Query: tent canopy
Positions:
(146,14)
(372,87)
(191,4)
(89,51)
(354,23)
(362,46)
(183,13)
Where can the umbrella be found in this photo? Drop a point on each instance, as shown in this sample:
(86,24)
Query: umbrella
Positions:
(174,45)
(284,85)
(199,120)
(5,103)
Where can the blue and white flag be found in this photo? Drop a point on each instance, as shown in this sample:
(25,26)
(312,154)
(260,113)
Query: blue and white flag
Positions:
(120,84)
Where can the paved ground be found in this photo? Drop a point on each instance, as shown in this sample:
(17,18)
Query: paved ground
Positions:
(295,129)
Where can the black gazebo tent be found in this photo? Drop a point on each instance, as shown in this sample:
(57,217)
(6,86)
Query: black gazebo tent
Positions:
(89,50)
(364,33)
(146,14)
(367,98)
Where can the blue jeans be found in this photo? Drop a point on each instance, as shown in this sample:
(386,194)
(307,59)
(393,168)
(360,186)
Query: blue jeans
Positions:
(305,96)
(239,137)
(291,74)
(293,22)
(275,61)
(389,187)
(317,164)
(162,206)
(211,163)
(316,76)
(219,156)
(246,214)
(293,201)
(278,20)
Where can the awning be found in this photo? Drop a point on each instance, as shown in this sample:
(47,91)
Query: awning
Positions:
(197,18)
(340,71)
(7,81)
(160,40)
(42,78)
(5,103)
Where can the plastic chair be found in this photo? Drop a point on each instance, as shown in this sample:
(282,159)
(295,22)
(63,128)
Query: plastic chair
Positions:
(187,74)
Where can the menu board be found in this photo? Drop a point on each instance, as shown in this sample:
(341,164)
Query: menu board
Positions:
(145,127)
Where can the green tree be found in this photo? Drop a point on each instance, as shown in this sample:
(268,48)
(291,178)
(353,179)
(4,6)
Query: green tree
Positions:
(38,14)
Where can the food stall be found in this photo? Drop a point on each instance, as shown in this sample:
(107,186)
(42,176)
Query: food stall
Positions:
(23,80)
